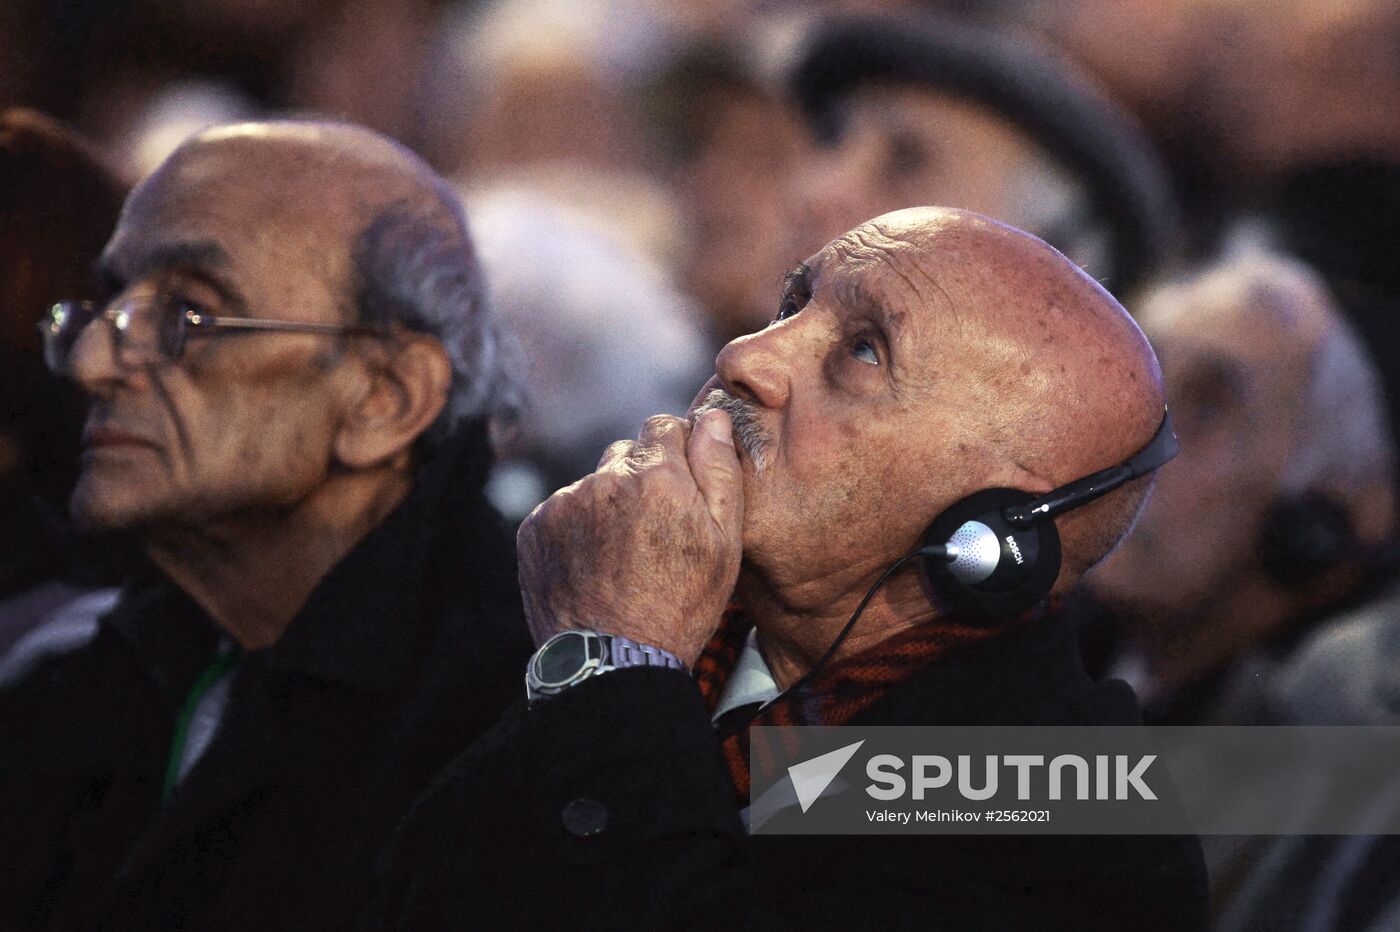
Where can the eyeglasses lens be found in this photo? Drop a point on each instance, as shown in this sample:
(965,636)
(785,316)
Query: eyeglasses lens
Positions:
(144,332)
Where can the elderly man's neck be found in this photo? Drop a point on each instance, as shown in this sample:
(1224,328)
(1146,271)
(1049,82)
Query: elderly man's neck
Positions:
(798,622)
(254,572)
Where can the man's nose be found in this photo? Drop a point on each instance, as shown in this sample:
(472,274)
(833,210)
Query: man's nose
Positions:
(92,362)
(757,367)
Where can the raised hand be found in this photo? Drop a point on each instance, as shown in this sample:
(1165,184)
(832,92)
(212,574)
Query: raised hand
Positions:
(647,546)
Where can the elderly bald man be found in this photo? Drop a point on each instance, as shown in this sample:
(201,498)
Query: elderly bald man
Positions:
(289,383)
(920,359)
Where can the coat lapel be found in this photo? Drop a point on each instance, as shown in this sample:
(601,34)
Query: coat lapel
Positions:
(239,760)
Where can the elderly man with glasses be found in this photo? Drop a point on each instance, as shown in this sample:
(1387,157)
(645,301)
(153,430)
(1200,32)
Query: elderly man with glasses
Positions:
(290,384)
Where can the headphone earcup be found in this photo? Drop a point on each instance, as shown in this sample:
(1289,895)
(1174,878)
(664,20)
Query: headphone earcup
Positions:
(1304,536)
(1000,571)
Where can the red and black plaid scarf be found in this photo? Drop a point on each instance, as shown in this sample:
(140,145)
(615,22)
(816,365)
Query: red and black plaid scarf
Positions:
(838,693)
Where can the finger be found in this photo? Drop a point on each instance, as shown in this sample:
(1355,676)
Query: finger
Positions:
(663,430)
(715,465)
(616,453)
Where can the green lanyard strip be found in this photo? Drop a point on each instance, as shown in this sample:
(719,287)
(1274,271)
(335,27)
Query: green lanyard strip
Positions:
(211,675)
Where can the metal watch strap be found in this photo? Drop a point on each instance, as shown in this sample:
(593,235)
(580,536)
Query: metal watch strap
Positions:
(625,652)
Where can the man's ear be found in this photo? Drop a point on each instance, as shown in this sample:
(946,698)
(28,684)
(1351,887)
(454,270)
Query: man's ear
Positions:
(406,394)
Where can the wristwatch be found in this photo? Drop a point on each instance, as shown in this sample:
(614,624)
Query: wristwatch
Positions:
(570,657)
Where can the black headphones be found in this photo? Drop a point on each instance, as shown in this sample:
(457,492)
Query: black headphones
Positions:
(997,551)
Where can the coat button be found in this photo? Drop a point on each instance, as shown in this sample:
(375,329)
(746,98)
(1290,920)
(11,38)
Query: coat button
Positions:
(584,817)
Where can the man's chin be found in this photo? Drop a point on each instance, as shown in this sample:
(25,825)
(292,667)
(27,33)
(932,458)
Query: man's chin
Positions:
(98,508)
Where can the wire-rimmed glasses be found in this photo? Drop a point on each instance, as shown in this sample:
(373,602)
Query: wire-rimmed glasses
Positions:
(154,330)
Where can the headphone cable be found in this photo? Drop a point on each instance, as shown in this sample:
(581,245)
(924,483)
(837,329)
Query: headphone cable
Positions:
(947,552)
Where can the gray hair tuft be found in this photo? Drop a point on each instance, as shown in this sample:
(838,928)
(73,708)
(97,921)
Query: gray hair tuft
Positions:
(417,271)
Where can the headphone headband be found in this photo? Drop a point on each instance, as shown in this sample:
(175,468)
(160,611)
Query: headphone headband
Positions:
(1159,451)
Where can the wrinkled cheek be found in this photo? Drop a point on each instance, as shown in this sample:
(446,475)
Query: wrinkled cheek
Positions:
(246,452)
(276,467)
(753,508)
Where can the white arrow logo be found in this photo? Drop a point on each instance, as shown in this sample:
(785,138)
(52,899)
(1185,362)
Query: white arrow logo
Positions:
(811,777)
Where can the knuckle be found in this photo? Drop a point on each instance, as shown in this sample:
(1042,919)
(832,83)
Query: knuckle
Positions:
(618,449)
(646,459)
(659,425)
(535,524)
(608,488)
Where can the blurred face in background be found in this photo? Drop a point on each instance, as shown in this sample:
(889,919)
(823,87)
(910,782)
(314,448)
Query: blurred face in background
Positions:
(901,146)
(734,192)
(58,204)
(1234,373)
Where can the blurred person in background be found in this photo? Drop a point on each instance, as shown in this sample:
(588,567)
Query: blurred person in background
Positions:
(1237,91)
(515,85)
(58,203)
(100,65)
(605,344)
(289,379)
(361,61)
(1344,673)
(1277,523)
(731,141)
(544,97)
(917,109)
(1283,491)
(1283,112)
(1343,218)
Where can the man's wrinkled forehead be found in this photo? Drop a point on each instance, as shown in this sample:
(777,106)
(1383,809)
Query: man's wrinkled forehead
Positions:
(234,188)
(208,205)
(870,245)
(888,269)
(130,258)
(159,233)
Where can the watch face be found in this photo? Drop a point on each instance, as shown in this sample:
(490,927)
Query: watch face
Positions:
(562,659)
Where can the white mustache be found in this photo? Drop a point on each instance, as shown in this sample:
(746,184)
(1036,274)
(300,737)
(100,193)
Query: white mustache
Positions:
(748,432)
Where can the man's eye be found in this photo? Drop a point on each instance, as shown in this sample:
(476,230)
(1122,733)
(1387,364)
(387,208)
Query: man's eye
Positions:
(864,350)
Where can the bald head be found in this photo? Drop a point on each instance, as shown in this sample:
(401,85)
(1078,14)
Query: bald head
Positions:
(1070,382)
(948,353)
(1066,382)
(336,153)
(311,187)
